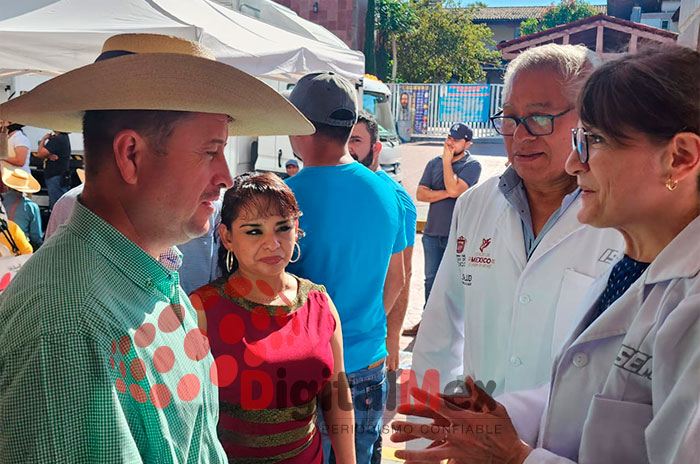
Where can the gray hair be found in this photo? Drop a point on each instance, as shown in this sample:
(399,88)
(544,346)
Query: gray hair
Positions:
(574,63)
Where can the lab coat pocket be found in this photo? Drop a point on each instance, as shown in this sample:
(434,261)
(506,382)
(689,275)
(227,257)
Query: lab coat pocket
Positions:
(614,432)
(574,286)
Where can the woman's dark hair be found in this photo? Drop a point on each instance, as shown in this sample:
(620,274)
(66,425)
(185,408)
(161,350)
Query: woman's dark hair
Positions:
(14,127)
(255,194)
(655,91)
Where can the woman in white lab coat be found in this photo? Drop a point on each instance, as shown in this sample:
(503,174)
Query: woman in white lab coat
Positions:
(625,387)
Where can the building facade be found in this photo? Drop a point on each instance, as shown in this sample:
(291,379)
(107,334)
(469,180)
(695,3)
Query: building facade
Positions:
(344,18)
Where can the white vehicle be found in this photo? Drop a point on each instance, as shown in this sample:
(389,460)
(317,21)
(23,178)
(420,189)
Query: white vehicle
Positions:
(377,100)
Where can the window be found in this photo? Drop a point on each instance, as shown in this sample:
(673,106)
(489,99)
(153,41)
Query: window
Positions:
(664,24)
(250,11)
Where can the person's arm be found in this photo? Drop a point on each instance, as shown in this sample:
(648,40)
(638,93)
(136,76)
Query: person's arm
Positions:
(19,157)
(423,193)
(336,400)
(440,341)
(394,320)
(425,190)
(674,431)
(453,184)
(36,237)
(43,151)
(59,402)
(394,281)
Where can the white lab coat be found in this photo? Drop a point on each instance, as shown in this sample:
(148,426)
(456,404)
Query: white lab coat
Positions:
(626,388)
(492,313)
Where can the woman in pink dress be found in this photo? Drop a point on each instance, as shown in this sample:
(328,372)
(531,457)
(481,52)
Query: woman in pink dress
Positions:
(276,338)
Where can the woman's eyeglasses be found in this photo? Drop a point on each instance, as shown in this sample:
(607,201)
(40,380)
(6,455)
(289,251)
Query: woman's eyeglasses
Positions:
(580,141)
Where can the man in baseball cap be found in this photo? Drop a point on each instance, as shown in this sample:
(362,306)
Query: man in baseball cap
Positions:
(343,202)
(444,179)
(292,167)
(101,349)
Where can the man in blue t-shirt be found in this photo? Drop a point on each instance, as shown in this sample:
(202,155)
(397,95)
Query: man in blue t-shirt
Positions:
(354,227)
(364,146)
(445,178)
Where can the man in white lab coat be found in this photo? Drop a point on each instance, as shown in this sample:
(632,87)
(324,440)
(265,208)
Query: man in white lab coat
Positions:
(518,262)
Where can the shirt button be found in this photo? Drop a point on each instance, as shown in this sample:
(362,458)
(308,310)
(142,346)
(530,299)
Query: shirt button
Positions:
(515,361)
(524,298)
(580,359)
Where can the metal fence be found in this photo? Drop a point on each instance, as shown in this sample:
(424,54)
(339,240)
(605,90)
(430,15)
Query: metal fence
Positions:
(428,110)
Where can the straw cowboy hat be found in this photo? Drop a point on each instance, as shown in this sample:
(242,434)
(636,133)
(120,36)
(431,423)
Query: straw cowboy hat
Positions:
(157,72)
(18,179)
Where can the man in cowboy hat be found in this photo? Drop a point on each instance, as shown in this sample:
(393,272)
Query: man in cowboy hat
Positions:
(101,359)
(20,209)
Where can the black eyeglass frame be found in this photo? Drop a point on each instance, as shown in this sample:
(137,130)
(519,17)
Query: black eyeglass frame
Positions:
(579,143)
(522,121)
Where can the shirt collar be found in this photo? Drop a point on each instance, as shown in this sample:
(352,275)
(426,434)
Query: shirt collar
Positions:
(131,260)
(510,179)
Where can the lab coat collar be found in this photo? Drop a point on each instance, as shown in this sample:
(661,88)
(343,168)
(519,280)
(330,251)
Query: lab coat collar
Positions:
(674,262)
(680,259)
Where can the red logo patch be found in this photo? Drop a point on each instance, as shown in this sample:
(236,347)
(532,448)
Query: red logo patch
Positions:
(484,243)
(461,241)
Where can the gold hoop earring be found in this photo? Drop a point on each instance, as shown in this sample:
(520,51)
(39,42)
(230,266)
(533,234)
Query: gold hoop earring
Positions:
(296,246)
(671,184)
(230,261)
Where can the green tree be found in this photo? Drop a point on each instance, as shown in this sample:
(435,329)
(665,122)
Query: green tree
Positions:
(393,17)
(565,12)
(369,38)
(443,45)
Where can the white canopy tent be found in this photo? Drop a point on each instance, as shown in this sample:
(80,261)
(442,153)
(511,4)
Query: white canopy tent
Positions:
(60,35)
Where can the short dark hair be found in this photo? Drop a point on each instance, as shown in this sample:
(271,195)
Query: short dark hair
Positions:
(339,134)
(259,194)
(655,91)
(101,126)
(372,127)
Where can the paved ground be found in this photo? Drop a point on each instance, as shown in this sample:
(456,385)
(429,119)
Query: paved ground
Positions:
(414,158)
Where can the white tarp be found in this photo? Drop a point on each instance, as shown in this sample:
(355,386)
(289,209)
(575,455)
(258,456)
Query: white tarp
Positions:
(61,35)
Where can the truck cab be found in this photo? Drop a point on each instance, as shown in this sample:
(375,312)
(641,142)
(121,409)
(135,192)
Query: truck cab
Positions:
(376,98)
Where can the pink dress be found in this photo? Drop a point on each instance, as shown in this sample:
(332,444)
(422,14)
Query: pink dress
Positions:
(271,364)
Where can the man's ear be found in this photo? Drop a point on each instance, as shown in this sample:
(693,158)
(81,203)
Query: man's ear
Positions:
(684,155)
(468,144)
(377,147)
(130,150)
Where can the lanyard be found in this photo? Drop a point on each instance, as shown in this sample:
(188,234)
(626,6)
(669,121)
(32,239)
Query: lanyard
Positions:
(8,236)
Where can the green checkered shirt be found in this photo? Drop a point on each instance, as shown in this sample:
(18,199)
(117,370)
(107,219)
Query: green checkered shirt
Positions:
(100,357)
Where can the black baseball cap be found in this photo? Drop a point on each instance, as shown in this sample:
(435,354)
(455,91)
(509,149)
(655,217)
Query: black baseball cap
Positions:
(460,131)
(327,98)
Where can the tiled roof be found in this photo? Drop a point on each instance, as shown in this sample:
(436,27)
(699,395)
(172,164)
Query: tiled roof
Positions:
(518,13)
(590,19)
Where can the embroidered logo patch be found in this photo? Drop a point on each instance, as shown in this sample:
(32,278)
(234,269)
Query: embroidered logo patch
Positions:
(461,241)
(484,243)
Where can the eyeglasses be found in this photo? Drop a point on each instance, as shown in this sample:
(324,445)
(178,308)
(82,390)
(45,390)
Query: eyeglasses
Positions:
(536,125)
(579,142)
